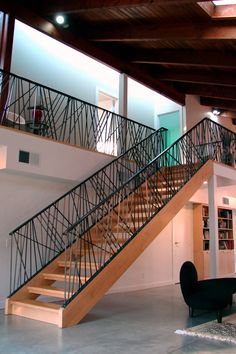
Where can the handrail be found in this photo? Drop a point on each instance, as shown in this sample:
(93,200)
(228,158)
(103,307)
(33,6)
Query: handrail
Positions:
(109,226)
(29,106)
(44,231)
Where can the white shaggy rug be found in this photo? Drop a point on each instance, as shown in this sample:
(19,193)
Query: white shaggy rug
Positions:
(225,331)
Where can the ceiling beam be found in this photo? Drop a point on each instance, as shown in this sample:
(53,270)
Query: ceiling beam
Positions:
(213,58)
(199,76)
(207,8)
(74,6)
(174,31)
(224,12)
(218,103)
(65,36)
(208,90)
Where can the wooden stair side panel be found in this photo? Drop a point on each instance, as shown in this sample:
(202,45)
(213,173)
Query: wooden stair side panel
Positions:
(37,281)
(37,310)
(81,305)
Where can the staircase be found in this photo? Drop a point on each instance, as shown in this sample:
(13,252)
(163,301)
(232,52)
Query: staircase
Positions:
(103,242)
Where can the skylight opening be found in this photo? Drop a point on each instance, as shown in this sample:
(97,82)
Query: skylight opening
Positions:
(224,2)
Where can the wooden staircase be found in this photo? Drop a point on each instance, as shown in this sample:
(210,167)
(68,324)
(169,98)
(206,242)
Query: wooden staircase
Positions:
(42,297)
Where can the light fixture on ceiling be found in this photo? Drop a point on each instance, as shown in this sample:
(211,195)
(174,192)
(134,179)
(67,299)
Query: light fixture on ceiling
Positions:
(217,111)
(60,19)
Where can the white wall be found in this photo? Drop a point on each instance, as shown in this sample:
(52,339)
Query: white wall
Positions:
(21,198)
(51,63)
(154,267)
(42,59)
(195,112)
(144,104)
(27,188)
(141,103)
(50,159)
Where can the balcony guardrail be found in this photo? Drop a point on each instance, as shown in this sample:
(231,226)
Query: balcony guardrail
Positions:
(37,109)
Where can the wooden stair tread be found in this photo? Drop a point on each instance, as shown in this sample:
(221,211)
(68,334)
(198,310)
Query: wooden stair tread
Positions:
(73,264)
(61,277)
(36,303)
(47,290)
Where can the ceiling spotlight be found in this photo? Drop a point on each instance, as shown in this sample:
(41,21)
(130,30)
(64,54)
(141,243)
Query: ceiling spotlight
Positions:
(217,111)
(60,19)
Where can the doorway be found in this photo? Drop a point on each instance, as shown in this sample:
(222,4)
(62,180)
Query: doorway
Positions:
(106,125)
(171,121)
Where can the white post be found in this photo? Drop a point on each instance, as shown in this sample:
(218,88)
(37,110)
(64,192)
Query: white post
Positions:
(123,95)
(213,226)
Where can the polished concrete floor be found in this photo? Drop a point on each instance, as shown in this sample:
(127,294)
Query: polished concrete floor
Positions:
(140,322)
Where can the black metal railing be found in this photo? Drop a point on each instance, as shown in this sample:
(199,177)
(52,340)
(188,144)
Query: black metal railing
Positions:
(31,107)
(109,216)
(40,239)
(96,238)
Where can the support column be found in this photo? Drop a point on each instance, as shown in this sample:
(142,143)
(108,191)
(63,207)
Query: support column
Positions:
(213,227)
(123,102)
(7,25)
(123,95)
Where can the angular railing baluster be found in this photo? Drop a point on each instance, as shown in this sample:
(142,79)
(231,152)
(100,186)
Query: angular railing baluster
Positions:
(155,184)
(60,117)
(45,230)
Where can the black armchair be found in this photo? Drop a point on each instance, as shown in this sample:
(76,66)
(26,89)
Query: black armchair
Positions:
(213,294)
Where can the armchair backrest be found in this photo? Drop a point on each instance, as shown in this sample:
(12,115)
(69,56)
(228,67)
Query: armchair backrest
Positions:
(188,279)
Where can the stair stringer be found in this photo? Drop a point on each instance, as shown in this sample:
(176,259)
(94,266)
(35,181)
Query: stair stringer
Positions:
(77,309)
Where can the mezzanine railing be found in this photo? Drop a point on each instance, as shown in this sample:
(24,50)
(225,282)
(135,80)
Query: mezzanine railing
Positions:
(40,239)
(37,109)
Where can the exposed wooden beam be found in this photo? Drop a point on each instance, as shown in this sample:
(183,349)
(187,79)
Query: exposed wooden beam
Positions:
(224,12)
(201,77)
(208,91)
(74,6)
(208,8)
(65,36)
(173,31)
(213,58)
(219,103)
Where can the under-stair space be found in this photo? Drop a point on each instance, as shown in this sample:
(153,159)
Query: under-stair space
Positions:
(91,253)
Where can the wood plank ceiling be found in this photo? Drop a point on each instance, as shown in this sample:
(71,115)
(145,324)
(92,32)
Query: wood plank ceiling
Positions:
(174,47)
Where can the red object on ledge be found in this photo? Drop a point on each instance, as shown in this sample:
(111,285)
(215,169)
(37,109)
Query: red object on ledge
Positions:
(38,115)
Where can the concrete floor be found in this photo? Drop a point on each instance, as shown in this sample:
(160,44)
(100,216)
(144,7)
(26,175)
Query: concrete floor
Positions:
(140,322)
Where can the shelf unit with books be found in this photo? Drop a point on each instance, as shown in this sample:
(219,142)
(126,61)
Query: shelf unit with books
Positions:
(202,240)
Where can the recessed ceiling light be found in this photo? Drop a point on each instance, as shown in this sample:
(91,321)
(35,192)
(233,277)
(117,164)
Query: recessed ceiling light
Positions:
(217,111)
(60,19)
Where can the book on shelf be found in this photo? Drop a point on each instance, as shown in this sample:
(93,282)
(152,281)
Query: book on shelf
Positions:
(206,234)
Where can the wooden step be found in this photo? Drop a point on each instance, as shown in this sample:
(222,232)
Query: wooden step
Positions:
(62,277)
(47,291)
(49,306)
(36,310)
(74,264)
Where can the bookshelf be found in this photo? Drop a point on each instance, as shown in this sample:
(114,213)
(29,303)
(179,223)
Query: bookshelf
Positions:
(202,240)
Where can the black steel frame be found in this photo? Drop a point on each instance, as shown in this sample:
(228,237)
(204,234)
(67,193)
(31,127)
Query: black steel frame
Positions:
(95,239)
(112,206)
(36,242)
